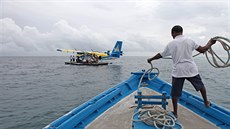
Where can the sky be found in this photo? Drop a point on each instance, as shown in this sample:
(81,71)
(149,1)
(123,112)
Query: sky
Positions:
(39,27)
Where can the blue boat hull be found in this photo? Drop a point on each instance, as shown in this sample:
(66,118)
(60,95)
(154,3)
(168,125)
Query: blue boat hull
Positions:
(84,114)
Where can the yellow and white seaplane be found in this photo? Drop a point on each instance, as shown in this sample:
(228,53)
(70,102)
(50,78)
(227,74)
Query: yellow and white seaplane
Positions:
(93,57)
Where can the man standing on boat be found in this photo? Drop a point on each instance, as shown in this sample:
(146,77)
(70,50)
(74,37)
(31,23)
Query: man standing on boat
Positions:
(180,48)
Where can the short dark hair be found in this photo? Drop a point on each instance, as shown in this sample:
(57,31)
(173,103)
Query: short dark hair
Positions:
(177,29)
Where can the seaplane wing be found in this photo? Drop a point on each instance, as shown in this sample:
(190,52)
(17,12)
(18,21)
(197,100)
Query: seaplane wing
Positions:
(116,52)
(67,50)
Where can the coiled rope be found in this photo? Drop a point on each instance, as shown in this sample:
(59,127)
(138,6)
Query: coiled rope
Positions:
(156,116)
(223,41)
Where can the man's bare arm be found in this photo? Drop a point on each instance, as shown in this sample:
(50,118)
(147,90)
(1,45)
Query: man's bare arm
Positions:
(157,56)
(203,49)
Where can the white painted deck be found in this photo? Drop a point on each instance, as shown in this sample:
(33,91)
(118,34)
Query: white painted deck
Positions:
(120,116)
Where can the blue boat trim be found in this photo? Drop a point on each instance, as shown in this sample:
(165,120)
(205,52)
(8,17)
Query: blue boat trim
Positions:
(84,114)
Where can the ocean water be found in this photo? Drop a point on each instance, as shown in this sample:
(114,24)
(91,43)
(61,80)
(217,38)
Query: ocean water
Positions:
(35,91)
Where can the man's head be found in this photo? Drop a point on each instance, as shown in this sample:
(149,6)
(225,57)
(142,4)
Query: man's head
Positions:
(176,30)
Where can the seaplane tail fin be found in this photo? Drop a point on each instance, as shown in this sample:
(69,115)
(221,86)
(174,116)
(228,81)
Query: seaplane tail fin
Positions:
(117,50)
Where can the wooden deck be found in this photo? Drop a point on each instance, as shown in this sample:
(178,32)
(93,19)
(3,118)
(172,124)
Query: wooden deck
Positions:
(120,116)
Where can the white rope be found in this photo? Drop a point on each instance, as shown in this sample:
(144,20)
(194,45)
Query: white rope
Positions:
(157,117)
(149,74)
(223,41)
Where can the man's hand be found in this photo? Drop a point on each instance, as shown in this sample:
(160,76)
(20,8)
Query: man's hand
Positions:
(212,41)
(149,60)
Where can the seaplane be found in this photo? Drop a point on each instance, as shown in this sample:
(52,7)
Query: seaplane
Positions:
(93,57)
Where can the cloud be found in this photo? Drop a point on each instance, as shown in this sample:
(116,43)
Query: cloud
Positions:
(187,10)
(10,33)
(29,41)
(40,27)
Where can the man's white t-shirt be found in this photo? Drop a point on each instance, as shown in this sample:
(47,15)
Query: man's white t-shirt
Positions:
(181,51)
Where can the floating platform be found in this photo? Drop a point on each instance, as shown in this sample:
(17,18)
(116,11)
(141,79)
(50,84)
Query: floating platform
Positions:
(84,63)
